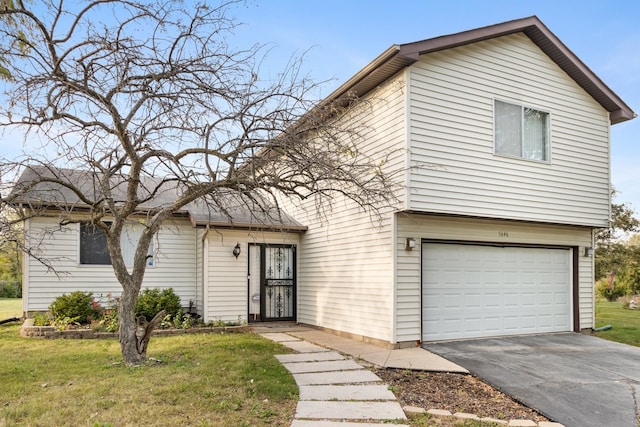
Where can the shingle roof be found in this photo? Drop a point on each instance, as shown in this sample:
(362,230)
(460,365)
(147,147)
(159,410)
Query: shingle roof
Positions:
(43,186)
(400,56)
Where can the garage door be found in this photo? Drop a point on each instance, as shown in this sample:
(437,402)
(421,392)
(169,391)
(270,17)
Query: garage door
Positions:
(471,291)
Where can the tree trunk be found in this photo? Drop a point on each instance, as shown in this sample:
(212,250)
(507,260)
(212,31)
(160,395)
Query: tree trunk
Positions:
(127,321)
(134,333)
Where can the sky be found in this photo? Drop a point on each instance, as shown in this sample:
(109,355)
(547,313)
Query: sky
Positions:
(339,37)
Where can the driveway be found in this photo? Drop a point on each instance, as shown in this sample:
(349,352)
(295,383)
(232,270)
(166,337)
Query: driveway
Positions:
(574,379)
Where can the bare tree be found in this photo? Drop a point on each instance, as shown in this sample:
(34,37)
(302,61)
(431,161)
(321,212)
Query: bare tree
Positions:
(150,98)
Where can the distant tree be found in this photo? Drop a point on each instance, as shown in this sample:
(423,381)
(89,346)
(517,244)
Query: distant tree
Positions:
(614,256)
(148,96)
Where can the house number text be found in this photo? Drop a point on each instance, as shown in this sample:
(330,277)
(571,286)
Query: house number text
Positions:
(503,234)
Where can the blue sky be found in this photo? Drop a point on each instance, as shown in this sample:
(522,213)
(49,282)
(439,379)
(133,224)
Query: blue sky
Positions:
(341,36)
(346,35)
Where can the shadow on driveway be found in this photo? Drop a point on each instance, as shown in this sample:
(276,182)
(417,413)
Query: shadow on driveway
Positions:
(574,379)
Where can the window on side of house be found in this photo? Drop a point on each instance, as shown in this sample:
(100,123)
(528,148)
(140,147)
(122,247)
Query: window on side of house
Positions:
(521,132)
(93,245)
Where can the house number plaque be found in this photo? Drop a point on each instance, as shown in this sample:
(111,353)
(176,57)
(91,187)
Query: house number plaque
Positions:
(503,234)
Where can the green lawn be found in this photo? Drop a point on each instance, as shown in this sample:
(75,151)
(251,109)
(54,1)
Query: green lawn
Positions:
(10,307)
(203,380)
(626,323)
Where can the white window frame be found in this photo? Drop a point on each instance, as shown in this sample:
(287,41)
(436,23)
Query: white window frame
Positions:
(547,151)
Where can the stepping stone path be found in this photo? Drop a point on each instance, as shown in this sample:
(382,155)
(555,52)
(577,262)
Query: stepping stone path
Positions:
(335,391)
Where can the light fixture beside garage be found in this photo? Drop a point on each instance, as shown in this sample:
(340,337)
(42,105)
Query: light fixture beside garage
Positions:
(236,250)
(411,244)
(588,251)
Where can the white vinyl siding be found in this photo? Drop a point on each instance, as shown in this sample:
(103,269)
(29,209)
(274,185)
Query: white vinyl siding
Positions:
(452,142)
(345,268)
(226,287)
(175,265)
(476,230)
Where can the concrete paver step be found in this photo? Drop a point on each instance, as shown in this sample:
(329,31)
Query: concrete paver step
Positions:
(309,357)
(303,346)
(328,366)
(346,392)
(328,423)
(350,410)
(279,337)
(339,377)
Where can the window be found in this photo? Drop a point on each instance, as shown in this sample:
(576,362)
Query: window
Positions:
(521,131)
(93,245)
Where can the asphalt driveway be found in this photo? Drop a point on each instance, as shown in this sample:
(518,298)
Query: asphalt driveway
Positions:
(574,379)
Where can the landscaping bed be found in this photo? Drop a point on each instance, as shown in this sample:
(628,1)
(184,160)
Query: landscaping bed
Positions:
(52,332)
(454,393)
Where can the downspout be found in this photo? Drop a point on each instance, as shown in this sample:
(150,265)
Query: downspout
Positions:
(202,264)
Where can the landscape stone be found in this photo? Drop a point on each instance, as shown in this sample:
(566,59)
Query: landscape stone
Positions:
(440,412)
(522,423)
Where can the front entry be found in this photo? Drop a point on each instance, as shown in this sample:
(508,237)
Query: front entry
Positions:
(272,282)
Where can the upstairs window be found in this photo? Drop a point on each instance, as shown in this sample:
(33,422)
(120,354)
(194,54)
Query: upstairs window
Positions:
(93,245)
(521,132)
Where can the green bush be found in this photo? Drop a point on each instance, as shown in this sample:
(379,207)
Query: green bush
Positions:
(10,289)
(151,301)
(619,289)
(79,306)
(41,319)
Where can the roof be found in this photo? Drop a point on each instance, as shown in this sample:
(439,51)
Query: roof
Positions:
(397,57)
(44,186)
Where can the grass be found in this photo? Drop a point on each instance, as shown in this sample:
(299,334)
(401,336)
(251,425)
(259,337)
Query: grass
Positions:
(426,420)
(204,380)
(625,323)
(10,307)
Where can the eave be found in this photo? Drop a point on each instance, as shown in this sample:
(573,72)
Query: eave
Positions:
(397,57)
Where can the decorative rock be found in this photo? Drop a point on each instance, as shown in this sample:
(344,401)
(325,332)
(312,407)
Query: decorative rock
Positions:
(522,423)
(466,416)
(412,410)
(439,412)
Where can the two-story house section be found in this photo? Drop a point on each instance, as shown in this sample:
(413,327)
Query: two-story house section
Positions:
(503,137)
(499,141)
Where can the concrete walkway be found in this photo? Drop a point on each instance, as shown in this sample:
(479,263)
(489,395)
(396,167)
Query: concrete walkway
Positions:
(335,390)
(339,391)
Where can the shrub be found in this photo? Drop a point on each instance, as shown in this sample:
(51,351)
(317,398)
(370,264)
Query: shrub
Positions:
(10,289)
(79,306)
(151,301)
(41,319)
(612,293)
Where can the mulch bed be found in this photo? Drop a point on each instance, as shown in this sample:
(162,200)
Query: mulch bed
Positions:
(455,393)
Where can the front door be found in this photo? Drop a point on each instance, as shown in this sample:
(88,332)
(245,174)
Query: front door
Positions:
(272,282)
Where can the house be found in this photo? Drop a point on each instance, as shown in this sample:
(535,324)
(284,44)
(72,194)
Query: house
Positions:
(503,134)
(212,242)
(502,137)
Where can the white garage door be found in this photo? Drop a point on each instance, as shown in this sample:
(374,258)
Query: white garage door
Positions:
(471,291)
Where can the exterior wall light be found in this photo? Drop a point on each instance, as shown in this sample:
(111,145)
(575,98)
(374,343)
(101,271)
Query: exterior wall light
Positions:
(410,244)
(236,250)
(588,251)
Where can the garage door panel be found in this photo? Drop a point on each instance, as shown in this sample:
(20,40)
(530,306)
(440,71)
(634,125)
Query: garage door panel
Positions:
(476,291)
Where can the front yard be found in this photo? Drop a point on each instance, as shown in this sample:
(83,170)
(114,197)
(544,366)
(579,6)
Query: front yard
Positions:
(198,380)
(10,307)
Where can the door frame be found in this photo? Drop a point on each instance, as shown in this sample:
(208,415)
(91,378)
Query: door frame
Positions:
(262,282)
